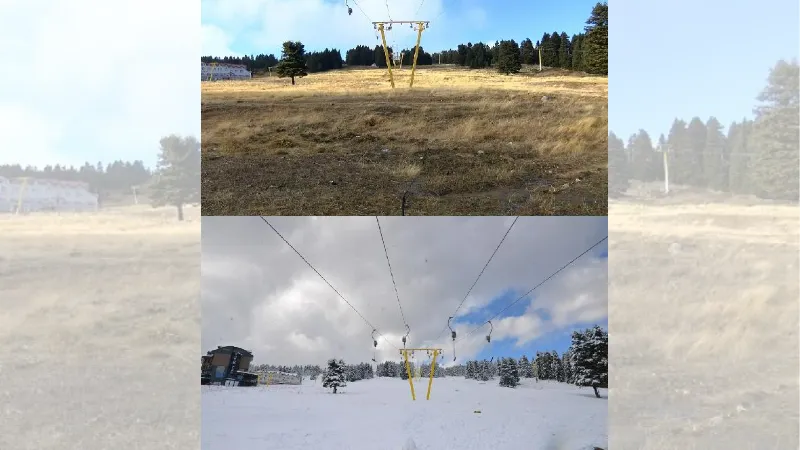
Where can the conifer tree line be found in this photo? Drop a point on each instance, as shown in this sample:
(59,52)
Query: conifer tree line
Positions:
(317,61)
(585,363)
(585,52)
(363,55)
(758,156)
(175,181)
(118,176)
(257,63)
(303,371)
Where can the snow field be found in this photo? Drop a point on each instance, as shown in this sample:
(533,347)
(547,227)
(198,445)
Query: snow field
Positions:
(378,414)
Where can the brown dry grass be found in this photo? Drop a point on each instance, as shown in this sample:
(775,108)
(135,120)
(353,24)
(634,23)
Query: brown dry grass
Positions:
(99,329)
(345,143)
(704,326)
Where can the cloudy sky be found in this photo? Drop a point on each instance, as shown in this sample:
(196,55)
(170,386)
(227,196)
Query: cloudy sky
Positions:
(257,293)
(92,80)
(656,75)
(239,27)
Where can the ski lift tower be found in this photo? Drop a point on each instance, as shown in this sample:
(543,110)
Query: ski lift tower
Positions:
(418,25)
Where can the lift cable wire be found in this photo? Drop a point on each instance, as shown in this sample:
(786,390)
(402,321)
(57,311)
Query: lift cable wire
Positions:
(419,8)
(480,274)
(391,30)
(325,280)
(362,11)
(525,295)
(390,271)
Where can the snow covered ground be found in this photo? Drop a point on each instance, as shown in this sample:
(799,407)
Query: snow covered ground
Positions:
(378,414)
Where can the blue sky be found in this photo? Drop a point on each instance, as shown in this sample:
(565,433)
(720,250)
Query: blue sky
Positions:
(559,339)
(685,58)
(254,26)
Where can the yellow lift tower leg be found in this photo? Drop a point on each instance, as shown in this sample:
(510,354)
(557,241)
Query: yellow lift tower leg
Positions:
(386,53)
(420,27)
(405,352)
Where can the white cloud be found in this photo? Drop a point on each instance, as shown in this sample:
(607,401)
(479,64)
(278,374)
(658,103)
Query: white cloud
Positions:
(104,80)
(291,316)
(216,41)
(317,23)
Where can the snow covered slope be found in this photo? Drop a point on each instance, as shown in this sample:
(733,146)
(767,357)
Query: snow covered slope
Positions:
(378,414)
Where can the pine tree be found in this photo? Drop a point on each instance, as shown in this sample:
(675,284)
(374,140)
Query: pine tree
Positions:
(618,171)
(564,52)
(527,52)
(509,374)
(550,54)
(525,368)
(403,370)
(177,177)
(293,61)
(555,366)
(485,371)
(678,148)
(715,163)
(508,58)
(692,160)
(567,366)
(334,375)
(590,355)
(595,46)
(775,164)
(577,52)
(644,162)
(738,149)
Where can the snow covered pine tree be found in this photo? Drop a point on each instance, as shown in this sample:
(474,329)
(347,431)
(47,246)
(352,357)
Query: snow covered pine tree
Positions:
(525,368)
(590,358)
(484,372)
(509,374)
(334,375)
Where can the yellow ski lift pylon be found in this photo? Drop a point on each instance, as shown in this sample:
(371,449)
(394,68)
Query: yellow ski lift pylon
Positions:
(405,353)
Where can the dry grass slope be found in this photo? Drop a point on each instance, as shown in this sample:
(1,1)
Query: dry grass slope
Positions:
(345,143)
(704,320)
(99,329)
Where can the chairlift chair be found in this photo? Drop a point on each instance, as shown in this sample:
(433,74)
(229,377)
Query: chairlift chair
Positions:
(489,336)
(453,334)
(374,344)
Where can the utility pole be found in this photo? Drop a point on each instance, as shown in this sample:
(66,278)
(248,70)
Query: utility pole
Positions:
(540,58)
(420,26)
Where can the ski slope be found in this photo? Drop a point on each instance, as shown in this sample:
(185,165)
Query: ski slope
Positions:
(378,414)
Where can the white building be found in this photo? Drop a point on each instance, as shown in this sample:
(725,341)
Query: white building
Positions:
(275,377)
(36,194)
(223,71)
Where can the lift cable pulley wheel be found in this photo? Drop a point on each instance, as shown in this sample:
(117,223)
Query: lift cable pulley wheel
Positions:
(489,336)
(453,334)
